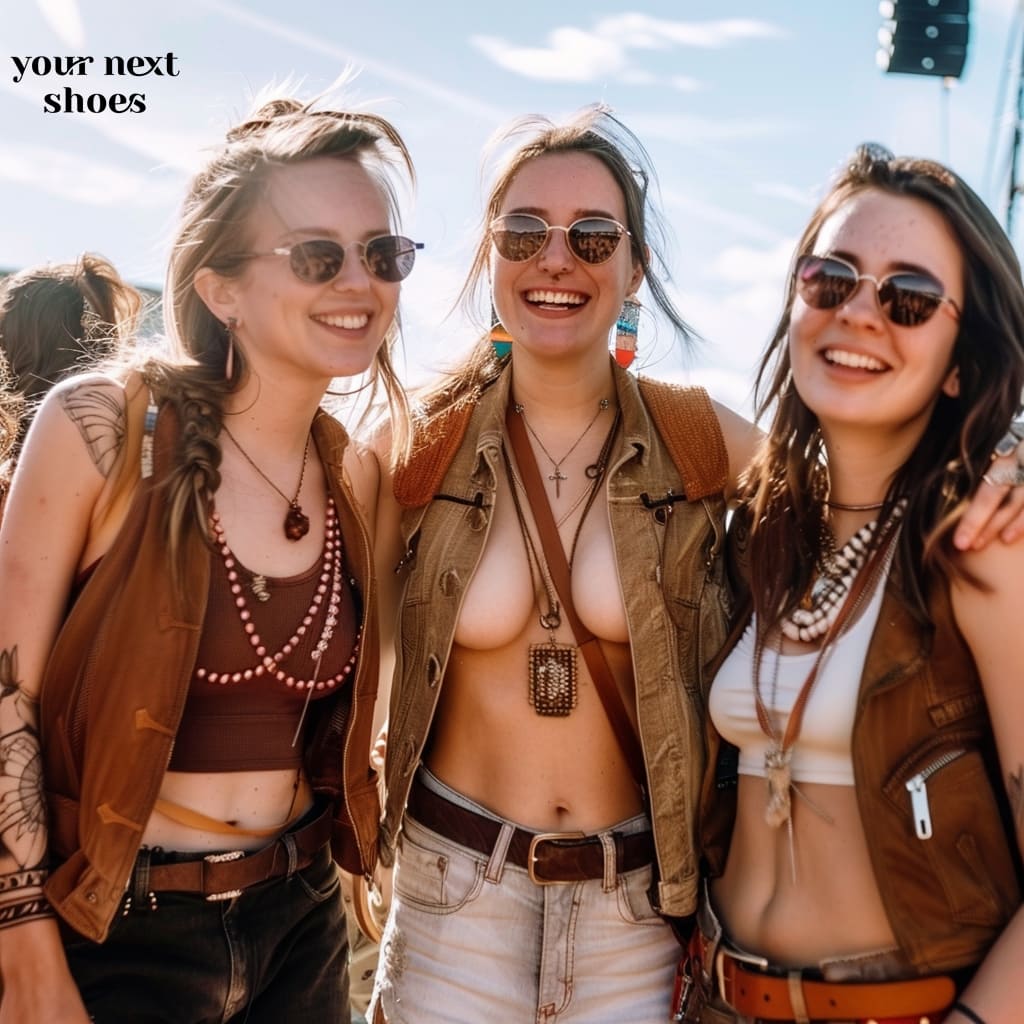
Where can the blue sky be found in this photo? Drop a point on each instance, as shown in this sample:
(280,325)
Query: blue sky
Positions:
(745,106)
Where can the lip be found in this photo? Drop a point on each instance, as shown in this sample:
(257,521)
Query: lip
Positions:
(841,358)
(342,321)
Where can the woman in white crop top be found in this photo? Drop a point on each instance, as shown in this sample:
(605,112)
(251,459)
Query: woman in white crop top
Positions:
(897,364)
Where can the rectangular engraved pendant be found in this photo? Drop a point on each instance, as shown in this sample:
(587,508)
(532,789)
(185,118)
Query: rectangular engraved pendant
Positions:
(552,678)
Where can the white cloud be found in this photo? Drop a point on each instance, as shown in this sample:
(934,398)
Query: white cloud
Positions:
(740,264)
(692,130)
(572,56)
(801,197)
(64,17)
(685,84)
(580,55)
(78,179)
(709,213)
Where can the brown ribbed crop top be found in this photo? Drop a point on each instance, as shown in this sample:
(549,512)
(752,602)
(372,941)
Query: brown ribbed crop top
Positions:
(239,716)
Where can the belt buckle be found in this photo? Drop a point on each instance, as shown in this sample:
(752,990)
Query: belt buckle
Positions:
(531,856)
(221,858)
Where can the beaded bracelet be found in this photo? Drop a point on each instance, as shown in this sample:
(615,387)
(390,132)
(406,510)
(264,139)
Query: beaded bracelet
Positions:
(967,1012)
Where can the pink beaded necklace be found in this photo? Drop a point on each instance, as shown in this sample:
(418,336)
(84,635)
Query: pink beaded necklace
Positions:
(328,586)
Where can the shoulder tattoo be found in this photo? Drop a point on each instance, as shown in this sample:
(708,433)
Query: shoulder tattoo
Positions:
(100,415)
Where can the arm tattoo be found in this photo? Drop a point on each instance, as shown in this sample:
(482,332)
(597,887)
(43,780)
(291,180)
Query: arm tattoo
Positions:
(99,413)
(23,832)
(1015,792)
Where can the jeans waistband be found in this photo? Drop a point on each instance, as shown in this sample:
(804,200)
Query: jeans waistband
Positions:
(549,857)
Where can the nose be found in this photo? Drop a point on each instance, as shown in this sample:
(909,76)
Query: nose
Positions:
(555,255)
(353,272)
(863,306)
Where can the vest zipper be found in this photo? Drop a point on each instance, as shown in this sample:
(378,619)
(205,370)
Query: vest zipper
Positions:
(918,790)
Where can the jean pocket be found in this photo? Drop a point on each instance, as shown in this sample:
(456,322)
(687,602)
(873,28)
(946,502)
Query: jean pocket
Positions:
(320,880)
(433,874)
(634,899)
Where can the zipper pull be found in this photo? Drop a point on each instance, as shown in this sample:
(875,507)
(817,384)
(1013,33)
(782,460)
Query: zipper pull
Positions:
(918,790)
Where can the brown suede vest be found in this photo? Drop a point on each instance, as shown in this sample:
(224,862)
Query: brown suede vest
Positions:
(920,709)
(116,682)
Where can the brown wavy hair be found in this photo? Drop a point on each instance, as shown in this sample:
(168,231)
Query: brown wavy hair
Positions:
(212,233)
(783,492)
(595,131)
(57,319)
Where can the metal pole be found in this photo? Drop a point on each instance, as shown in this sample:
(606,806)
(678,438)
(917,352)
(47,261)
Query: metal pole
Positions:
(1014,188)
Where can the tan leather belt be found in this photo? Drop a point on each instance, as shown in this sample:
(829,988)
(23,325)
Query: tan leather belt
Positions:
(753,993)
(225,875)
(549,857)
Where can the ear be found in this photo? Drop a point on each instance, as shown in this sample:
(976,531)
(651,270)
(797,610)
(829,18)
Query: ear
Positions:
(218,293)
(951,385)
(638,271)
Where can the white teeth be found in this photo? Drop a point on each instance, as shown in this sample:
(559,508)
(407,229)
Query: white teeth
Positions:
(351,322)
(853,359)
(555,298)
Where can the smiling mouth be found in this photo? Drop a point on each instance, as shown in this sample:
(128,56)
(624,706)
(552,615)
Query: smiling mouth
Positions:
(854,360)
(539,297)
(349,322)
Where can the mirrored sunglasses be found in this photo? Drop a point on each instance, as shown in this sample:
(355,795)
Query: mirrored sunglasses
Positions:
(520,236)
(389,258)
(906,298)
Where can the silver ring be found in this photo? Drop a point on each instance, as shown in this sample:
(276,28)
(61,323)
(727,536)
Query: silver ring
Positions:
(1011,439)
(1004,477)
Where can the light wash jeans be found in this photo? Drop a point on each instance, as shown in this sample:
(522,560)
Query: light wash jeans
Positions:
(471,939)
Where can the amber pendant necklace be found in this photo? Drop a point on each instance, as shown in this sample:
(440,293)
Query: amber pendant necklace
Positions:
(296,522)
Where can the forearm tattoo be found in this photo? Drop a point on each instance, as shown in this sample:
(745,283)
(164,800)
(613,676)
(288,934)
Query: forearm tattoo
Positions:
(99,413)
(23,832)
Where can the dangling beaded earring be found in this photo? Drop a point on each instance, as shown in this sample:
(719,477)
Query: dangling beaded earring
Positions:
(500,339)
(229,362)
(626,331)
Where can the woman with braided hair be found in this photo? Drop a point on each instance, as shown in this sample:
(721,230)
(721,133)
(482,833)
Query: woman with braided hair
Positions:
(188,632)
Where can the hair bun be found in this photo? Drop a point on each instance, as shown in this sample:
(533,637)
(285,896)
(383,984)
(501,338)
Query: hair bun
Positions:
(263,117)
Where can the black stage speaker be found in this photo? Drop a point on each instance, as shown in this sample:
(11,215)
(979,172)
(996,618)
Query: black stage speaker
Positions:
(924,37)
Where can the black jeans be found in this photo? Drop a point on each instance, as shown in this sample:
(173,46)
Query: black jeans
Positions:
(277,953)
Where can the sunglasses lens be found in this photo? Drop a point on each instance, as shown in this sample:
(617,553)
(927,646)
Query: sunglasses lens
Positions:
(518,237)
(823,283)
(316,262)
(390,257)
(595,239)
(909,299)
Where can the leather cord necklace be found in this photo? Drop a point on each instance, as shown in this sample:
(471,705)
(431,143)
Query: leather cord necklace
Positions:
(296,522)
(600,671)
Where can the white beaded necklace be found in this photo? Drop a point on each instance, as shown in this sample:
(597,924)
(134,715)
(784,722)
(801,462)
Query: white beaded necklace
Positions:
(329,585)
(829,590)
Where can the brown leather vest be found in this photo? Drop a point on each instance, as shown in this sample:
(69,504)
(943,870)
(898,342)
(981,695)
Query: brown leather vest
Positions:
(116,682)
(920,715)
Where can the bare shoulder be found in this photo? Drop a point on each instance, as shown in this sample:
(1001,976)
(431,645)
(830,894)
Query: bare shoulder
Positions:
(741,440)
(97,405)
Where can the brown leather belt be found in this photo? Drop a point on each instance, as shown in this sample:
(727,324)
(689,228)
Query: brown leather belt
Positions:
(549,857)
(770,997)
(221,876)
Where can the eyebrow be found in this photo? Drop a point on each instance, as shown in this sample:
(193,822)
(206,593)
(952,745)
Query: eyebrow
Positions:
(898,267)
(578,214)
(311,234)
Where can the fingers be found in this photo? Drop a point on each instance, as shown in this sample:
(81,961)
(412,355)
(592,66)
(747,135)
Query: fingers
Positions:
(997,508)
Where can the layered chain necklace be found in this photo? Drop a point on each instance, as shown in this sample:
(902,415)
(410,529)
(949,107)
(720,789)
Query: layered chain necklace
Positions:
(296,522)
(556,464)
(551,666)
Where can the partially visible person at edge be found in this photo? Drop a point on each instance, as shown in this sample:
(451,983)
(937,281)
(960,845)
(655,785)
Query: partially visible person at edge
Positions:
(205,704)
(863,813)
(56,319)
(538,845)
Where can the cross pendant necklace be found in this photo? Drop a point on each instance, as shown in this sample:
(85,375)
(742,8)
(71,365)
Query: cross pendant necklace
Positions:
(558,477)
